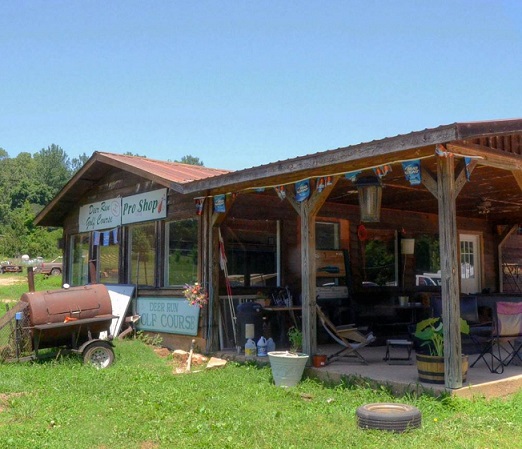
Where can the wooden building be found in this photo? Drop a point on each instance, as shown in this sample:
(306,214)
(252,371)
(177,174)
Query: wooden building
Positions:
(309,224)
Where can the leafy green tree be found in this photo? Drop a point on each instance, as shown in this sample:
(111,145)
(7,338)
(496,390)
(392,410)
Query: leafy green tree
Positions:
(78,162)
(53,167)
(191,160)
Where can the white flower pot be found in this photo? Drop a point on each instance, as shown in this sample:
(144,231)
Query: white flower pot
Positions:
(287,367)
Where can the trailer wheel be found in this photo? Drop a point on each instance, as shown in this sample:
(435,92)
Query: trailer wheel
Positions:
(99,354)
(56,272)
(388,416)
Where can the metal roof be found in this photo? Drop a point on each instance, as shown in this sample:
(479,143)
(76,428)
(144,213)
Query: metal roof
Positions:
(169,174)
(497,145)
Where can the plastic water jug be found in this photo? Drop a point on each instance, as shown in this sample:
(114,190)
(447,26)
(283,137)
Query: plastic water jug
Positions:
(250,349)
(270,345)
(261,347)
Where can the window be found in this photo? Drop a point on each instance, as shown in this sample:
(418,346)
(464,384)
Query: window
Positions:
(181,266)
(327,235)
(79,262)
(109,257)
(142,244)
(251,249)
(380,258)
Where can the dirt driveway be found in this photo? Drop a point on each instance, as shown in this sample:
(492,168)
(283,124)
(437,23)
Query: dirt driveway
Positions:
(5,280)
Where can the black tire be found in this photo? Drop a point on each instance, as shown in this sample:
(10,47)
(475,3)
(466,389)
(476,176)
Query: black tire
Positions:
(99,354)
(56,272)
(388,416)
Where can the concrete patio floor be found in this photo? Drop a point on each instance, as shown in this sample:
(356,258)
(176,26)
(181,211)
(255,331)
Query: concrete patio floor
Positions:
(402,378)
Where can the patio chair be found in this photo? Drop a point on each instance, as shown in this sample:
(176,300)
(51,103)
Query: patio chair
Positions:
(348,336)
(505,341)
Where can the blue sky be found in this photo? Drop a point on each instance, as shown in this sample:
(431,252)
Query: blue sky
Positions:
(243,83)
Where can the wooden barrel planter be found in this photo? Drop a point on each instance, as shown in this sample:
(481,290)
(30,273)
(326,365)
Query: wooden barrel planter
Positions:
(431,368)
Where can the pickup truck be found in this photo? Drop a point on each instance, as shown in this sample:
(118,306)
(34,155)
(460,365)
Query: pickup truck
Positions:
(53,268)
(7,267)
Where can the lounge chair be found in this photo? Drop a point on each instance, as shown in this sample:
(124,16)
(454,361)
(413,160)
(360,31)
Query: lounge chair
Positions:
(504,343)
(348,336)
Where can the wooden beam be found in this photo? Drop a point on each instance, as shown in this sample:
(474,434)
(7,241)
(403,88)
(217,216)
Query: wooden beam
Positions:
(488,156)
(518,177)
(308,272)
(462,177)
(449,271)
(308,211)
(429,181)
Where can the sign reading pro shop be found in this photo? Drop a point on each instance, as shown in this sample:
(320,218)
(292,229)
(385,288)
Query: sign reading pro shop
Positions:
(144,207)
(168,315)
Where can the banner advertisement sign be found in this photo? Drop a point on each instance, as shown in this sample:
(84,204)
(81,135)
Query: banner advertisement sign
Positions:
(144,207)
(101,215)
(167,314)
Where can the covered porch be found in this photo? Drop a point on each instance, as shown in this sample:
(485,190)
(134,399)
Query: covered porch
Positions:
(461,197)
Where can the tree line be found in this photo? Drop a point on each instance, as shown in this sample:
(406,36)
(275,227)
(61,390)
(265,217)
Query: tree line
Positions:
(28,182)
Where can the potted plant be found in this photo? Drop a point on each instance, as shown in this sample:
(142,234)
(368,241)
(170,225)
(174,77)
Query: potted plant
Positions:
(288,366)
(431,334)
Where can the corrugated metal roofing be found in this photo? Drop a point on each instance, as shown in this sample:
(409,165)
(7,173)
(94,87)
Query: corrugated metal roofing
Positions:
(171,171)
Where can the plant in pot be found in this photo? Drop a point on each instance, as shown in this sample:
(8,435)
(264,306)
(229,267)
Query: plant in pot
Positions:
(431,365)
(288,366)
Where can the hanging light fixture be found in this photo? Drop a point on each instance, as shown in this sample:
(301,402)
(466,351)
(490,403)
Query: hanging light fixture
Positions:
(370,194)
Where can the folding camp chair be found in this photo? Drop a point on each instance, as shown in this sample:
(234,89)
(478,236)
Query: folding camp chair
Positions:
(504,344)
(348,336)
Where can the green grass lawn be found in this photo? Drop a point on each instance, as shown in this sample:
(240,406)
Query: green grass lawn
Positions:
(140,403)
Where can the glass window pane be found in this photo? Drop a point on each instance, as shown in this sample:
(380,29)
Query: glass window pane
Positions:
(326,235)
(251,250)
(79,268)
(109,257)
(380,268)
(142,242)
(182,252)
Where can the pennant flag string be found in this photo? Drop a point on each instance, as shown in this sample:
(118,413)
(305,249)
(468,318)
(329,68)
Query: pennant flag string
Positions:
(324,180)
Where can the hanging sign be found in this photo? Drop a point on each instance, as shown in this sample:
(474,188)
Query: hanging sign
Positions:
(467,161)
(412,172)
(352,176)
(167,314)
(302,190)
(281,192)
(199,205)
(101,215)
(144,207)
(382,171)
(219,204)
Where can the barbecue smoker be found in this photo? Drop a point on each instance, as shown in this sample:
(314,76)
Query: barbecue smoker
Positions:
(70,319)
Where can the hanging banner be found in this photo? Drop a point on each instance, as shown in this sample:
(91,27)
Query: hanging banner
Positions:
(106,237)
(467,161)
(320,184)
(352,176)
(96,238)
(100,215)
(115,236)
(144,207)
(199,205)
(281,192)
(383,170)
(302,190)
(219,204)
(412,172)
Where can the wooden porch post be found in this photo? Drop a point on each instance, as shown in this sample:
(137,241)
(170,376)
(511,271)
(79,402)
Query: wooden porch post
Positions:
(308,290)
(307,211)
(450,271)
